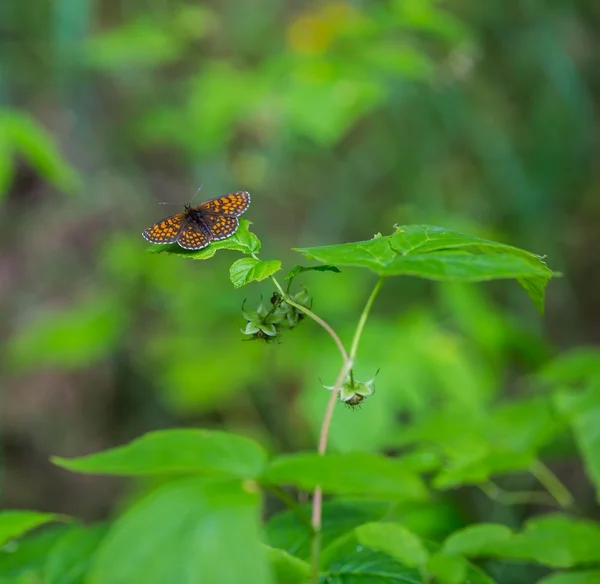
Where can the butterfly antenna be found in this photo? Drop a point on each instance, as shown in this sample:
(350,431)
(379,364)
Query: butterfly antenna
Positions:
(169,203)
(196,193)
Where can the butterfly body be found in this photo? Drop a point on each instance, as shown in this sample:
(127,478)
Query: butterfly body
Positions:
(196,227)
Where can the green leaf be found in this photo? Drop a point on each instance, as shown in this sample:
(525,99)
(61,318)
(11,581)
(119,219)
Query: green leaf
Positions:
(347,561)
(30,140)
(476,540)
(573,367)
(299,269)
(175,451)
(448,569)
(242,240)
(287,568)
(582,411)
(287,531)
(554,540)
(23,560)
(16,523)
(188,531)
(69,559)
(584,577)
(394,540)
(350,474)
(248,270)
(439,254)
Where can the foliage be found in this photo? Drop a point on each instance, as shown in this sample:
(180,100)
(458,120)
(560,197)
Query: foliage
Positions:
(345,118)
(209,498)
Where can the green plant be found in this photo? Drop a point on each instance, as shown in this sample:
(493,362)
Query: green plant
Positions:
(201,522)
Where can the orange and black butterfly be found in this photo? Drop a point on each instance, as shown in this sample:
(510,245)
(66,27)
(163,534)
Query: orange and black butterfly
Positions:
(197,226)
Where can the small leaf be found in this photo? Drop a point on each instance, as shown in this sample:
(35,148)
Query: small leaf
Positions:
(582,411)
(554,540)
(187,531)
(16,523)
(175,451)
(394,540)
(476,540)
(288,569)
(248,270)
(299,269)
(448,569)
(357,473)
(242,240)
(584,577)
(572,367)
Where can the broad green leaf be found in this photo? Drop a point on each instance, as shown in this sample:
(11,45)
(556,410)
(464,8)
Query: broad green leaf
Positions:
(288,569)
(69,559)
(188,531)
(23,560)
(16,523)
(479,469)
(573,367)
(394,540)
(175,452)
(299,269)
(436,253)
(554,540)
(584,577)
(349,474)
(348,561)
(248,270)
(448,569)
(287,531)
(582,411)
(242,240)
(27,138)
(476,540)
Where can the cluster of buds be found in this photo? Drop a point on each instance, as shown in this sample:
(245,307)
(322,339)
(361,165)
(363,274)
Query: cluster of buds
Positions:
(267,322)
(353,392)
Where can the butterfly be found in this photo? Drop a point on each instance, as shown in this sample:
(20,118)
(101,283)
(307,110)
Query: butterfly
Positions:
(197,226)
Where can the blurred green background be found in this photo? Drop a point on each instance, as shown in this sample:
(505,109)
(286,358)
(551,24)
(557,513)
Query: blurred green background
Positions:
(341,119)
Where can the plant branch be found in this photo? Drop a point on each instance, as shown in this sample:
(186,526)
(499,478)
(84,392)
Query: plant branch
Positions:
(495,493)
(552,484)
(310,314)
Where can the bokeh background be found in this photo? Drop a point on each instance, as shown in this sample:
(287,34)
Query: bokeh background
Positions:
(341,119)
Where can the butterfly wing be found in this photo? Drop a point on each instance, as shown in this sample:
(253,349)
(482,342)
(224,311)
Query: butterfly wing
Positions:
(221,226)
(231,205)
(165,231)
(191,237)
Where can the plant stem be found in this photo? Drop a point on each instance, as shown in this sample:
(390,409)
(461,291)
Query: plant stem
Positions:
(312,315)
(495,493)
(552,484)
(317,509)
